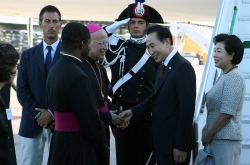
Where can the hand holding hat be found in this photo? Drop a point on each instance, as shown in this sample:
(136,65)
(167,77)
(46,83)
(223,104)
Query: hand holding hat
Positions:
(116,25)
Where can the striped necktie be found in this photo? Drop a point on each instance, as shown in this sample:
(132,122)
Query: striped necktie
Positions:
(161,71)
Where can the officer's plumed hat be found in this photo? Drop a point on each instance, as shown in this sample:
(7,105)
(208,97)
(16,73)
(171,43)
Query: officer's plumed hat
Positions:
(139,10)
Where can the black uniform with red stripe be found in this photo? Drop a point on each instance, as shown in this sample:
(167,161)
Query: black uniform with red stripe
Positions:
(133,144)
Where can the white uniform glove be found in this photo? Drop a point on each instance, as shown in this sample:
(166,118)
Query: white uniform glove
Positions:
(116,25)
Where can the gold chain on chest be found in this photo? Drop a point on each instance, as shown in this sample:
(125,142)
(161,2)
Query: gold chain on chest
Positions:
(100,83)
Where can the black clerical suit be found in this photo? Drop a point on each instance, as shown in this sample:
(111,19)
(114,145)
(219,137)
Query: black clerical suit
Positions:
(69,90)
(133,144)
(101,85)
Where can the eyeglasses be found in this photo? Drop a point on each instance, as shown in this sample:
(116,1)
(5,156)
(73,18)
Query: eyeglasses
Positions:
(102,44)
(18,66)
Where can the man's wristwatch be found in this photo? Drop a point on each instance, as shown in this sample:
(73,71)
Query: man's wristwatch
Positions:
(36,117)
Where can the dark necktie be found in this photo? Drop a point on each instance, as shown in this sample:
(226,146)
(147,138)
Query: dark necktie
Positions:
(161,71)
(48,61)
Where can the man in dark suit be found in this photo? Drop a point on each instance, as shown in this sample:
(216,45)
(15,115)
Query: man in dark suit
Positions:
(37,117)
(172,102)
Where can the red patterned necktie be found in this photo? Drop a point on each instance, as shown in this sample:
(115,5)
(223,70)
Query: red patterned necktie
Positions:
(161,71)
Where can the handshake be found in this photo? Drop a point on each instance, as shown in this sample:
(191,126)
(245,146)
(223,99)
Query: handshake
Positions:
(122,119)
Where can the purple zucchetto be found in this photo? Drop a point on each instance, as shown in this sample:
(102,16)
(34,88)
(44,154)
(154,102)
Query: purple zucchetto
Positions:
(93,27)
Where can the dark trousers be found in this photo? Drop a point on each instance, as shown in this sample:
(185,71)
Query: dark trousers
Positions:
(105,160)
(169,159)
(134,143)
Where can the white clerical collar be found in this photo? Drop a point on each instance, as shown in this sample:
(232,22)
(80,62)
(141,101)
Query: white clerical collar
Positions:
(138,40)
(169,57)
(70,56)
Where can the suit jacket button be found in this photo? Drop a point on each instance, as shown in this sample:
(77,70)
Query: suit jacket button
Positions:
(137,99)
(142,78)
(120,95)
(139,92)
(121,89)
(143,70)
(140,85)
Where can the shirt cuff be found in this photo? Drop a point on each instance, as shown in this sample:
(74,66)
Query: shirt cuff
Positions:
(39,113)
(51,114)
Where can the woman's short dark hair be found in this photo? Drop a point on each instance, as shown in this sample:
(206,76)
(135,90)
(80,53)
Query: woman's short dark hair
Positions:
(72,36)
(162,32)
(232,44)
(8,60)
(49,8)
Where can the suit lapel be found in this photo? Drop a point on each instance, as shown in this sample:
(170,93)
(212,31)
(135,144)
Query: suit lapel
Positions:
(164,76)
(40,58)
(57,53)
(166,72)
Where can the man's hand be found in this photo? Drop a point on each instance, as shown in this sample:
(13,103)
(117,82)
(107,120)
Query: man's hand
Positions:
(120,110)
(45,119)
(116,119)
(125,125)
(179,156)
(126,116)
(51,125)
(116,25)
